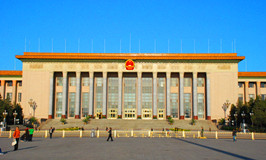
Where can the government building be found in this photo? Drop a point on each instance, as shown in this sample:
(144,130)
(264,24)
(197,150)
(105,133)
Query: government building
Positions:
(129,85)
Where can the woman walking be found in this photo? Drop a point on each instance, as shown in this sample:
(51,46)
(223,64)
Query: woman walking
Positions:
(16,136)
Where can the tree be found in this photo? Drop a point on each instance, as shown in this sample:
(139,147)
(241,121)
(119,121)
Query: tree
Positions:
(10,108)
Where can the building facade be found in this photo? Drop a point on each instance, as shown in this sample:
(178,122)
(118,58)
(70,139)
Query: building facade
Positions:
(131,86)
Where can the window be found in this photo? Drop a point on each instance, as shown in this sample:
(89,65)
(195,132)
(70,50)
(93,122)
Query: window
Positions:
(240,84)
(113,92)
(146,93)
(187,105)
(58,109)
(262,84)
(263,96)
(20,83)
(200,82)
(9,83)
(72,81)
(251,96)
(174,105)
(9,96)
(72,100)
(187,82)
(161,93)
(85,81)
(19,97)
(99,92)
(240,98)
(200,105)
(251,85)
(174,82)
(59,81)
(85,104)
(129,93)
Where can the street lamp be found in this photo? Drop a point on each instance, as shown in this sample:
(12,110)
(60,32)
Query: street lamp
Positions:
(5,114)
(235,118)
(15,115)
(33,105)
(251,114)
(243,116)
(225,107)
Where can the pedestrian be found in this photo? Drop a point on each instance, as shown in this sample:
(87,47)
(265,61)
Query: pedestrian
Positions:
(202,130)
(51,130)
(234,135)
(16,136)
(27,134)
(106,128)
(31,130)
(110,134)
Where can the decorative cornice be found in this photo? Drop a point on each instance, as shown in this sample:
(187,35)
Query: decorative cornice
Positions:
(251,74)
(11,73)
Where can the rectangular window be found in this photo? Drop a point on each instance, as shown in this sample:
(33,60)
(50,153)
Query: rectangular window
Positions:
(85,104)
(187,105)
(129,93)
(174,82)
(187,82)
(113,92)
(99,92)
(19,97)
(9,96)
(240,84)
(263,96)
(85,81)
(200,82)
(59,104)
(9,83)
(19,83)
(59,81)
(262,84)
(161,93)
(72,100)
(251,85)
(174,105)
(72,81)
(251,96)
(240,98)
(146,93)
(200,105)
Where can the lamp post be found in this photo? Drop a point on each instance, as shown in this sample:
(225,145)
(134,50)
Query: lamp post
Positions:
(33,105)
(15,115)
(235,118)
(243,116)
(5,114)
(225,107)
(251,114)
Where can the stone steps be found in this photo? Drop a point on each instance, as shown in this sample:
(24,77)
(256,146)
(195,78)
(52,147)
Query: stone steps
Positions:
(121,124)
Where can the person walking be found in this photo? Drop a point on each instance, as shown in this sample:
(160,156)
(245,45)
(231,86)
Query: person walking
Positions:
(51,130)
(110,134)
(31,130)
(27,134)
(16,136)
(202,130)
(234,135)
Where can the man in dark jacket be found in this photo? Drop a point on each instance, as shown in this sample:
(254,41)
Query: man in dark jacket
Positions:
(234,135)
(110,134)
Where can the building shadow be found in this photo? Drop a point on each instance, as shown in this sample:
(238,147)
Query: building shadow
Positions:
(217,150)
(20,149)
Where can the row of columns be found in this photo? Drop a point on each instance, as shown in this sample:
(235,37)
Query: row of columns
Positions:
(168,87)
(246,92)
(14,90)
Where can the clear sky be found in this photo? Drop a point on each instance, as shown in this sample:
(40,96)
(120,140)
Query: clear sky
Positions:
(151,26)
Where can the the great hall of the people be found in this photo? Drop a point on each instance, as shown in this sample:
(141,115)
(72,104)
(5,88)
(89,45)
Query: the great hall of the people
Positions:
(130,86)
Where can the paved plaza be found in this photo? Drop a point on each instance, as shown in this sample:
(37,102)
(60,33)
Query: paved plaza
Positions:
(134,148)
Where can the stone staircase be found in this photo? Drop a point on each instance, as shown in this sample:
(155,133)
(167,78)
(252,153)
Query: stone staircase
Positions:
(121,124)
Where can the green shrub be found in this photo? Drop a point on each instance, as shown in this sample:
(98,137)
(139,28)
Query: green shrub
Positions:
(63,120)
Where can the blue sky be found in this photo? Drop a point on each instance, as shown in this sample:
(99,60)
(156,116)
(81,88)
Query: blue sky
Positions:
(147,22)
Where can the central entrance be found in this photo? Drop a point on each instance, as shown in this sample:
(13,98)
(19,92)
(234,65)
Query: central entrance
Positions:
(129,97)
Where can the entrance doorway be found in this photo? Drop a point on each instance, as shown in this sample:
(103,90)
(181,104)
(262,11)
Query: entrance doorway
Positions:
(146,113)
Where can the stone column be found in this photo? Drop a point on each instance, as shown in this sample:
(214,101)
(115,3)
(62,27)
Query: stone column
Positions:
(77,105)
(3,84)
(51,96)
(104,93)
(208,89)
(139,94)
(258,88)
(64,97)
(120,94)
(181,93)
(155,94)
(168,93)
(91,95)
(246,91)
(195,96)
(14,91)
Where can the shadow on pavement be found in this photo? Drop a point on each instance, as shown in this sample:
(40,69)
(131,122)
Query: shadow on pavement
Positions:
(20,149)
(215,149)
